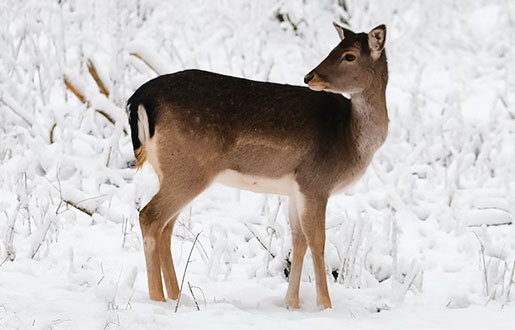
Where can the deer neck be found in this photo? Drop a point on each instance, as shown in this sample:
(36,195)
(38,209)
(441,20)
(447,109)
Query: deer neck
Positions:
(369,124)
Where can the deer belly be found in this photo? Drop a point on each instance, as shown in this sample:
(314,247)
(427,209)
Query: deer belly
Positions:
(281,186)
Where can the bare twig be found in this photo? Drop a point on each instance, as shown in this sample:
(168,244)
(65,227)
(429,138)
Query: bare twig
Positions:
(41,89)
(36,250)
(410,277)
(184,274)
(57,321)
(204,254)
(193,296)
(109,156)
(483,259)
(80,208)
(492,296)
(276,211)
(68,202)
(201,291)
(129,301)
(507,223)
(395,244)
(109,323)
(3,262)
(125,225)
(9,237)
(103,275)
(509,284)
(15,108)
(259,240)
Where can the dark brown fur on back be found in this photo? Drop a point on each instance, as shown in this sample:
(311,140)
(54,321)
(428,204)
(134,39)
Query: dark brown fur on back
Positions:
(214,112)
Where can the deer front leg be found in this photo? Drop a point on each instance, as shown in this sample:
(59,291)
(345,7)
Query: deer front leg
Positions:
(299,246)
(313,226)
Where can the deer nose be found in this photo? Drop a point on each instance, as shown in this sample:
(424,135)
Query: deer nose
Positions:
(308,77)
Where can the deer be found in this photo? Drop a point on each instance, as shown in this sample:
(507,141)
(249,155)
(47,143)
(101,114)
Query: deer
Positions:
(197,128)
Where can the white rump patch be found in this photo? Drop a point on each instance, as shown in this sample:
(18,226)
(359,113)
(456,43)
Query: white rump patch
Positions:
(143,129)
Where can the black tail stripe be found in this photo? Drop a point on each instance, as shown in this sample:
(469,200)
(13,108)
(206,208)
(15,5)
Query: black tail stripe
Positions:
(134,101)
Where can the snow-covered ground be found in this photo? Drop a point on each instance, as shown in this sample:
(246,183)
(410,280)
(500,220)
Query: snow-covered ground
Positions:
(425,240)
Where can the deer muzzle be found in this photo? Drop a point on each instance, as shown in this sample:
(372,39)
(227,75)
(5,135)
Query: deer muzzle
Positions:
(309,77)
(314,82)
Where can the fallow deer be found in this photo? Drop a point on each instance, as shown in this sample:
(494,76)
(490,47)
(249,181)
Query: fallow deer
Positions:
(196,128)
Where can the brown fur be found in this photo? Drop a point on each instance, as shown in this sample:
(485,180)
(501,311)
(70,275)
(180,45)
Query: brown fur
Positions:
(141,156)
(205,127)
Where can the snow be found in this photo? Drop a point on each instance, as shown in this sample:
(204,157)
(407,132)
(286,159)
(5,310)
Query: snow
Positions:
(424,240)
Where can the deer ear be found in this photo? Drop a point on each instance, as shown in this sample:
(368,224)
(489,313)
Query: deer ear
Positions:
(376,39)
(342,32)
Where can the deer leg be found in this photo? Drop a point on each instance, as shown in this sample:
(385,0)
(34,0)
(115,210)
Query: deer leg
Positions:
(165,255)
(157,220)
(299,246)
(313,225)
(151,232)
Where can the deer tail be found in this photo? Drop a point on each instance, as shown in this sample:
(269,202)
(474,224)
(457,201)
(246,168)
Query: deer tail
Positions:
(141,121)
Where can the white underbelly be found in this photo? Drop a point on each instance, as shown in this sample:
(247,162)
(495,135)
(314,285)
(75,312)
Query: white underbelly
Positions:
(281,186)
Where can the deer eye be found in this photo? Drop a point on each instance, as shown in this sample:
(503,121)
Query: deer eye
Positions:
(349,57)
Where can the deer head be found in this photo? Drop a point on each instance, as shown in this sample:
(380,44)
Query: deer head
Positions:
(353,66)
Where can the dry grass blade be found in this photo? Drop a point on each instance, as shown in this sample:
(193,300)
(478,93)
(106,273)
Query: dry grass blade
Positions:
(75,91)
(185,270)
(138,56)
(94,74)
(106,116)
(83,99)
(52,133)
(109,119)
(508,292)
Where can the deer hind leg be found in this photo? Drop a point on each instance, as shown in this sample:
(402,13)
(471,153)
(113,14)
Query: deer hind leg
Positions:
(157,220)
(299,246)
(151,228)
(313,225)
(166,260)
